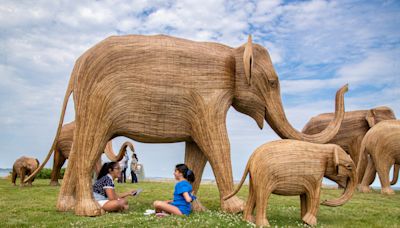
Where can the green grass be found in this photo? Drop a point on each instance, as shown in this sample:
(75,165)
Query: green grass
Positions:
(35,207)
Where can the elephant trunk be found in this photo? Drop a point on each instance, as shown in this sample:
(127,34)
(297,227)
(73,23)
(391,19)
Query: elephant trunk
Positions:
(111,154)
(395,174)
(278,121)
(347,194)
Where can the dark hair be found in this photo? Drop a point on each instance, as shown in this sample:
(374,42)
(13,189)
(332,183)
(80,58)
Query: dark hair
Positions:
(104,169)
(134,154)
(187,173)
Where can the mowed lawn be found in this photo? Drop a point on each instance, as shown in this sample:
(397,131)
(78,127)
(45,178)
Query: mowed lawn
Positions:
(35,207)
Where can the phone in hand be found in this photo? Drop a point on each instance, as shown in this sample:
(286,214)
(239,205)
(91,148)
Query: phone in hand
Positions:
(138,191)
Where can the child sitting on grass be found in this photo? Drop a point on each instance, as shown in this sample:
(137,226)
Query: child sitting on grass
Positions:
(181,204)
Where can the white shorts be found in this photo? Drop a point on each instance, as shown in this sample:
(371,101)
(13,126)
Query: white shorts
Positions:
(100,199)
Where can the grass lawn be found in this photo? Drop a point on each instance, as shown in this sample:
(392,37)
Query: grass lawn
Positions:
(35,207)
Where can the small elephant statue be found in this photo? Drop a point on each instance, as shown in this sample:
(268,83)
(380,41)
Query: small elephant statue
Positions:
(24,166)
(382,143)
(291,167)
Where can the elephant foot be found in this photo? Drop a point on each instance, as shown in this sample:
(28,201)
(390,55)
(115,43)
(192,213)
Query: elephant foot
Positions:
(65,203)
(262,223)
(232,205)
(54,183)
(310,219)
(387,191)
(364,189)
(249,218)
(198,207)
(88,207)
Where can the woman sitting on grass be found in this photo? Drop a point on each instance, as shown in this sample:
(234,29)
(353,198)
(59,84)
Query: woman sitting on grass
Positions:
(181,204)
(103,189)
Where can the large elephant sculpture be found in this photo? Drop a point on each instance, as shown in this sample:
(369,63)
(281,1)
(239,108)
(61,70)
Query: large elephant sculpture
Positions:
(382,144)
(162,89)
(291,167)
(63,148)
(24,166)
(353,129)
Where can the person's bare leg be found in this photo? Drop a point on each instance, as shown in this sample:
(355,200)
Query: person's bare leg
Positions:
(166,207)
(116,205)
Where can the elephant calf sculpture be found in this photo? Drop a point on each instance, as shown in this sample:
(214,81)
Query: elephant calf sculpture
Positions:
(162,89)
(24,166)
(290,167)
(382,144)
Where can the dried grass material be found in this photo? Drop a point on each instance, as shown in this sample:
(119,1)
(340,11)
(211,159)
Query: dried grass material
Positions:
(63,148)
(382,144)
(161,89)
(24,166)
(291,167)
(353,129)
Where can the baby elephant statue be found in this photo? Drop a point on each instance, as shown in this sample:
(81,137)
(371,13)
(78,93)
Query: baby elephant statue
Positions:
(24,166)
(290,167)
(382,143)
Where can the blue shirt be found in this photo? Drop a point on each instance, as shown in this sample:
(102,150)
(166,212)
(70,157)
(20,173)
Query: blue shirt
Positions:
(179,201)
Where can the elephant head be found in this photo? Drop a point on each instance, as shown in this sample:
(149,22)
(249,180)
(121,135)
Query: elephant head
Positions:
(257,94)
(341,167)
(378,114)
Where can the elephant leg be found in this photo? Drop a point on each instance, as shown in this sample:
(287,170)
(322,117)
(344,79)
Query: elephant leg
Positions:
(196,161)
(59,161)
(91,139)
(382,166)
(213,141)
(369,177)
(262,195)
(14,176)
(303,205)
(66,197)
(22,171)
(312,198)
(395,174)
(251,204)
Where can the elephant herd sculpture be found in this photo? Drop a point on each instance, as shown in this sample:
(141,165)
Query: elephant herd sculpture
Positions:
(162,89)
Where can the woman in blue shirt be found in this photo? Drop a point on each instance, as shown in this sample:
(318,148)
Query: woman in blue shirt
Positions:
(181,204)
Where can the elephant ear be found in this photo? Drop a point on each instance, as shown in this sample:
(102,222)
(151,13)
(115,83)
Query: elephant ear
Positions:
(336,160)
(370,117)
(248,59)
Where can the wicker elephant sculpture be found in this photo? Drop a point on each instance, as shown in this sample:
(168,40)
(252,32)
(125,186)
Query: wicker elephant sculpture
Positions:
(291,167)
(63,148)
(382,144)
(24,166)
(162,89)
(353,129)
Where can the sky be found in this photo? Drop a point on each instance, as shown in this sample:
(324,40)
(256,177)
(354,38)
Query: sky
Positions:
(315,46)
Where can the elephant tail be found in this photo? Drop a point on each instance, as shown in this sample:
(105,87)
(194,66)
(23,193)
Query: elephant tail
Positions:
(395,174)
(246,171)
(60,123)
(111,154)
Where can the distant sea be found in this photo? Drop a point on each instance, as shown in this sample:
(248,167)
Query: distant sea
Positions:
(4,172)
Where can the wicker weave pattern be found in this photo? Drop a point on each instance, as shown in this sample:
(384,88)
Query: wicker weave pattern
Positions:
(382,143)
(63,148)
(290,167)
(24,166)
(161,89)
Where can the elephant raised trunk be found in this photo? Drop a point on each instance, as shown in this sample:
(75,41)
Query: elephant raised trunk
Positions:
(347,194)
(278,121)
(111,154)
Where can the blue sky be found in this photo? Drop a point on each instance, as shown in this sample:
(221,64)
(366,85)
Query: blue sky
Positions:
(316,47)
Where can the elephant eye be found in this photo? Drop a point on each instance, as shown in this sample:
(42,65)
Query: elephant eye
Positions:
(273,83)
